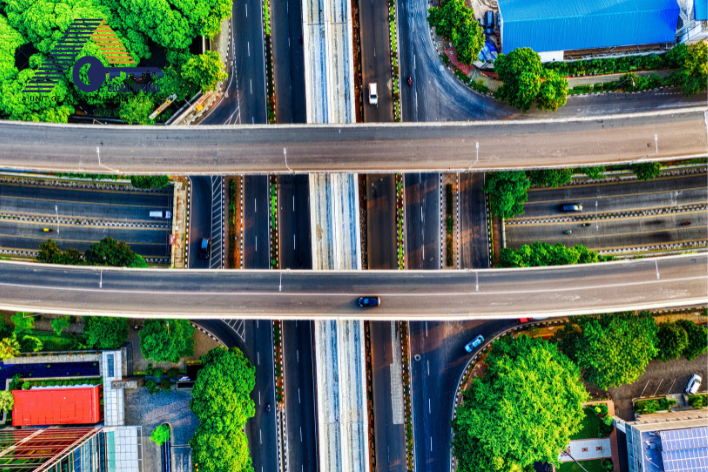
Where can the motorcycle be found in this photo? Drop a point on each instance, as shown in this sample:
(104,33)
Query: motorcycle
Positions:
(410,80)
(268,407)
(686,223)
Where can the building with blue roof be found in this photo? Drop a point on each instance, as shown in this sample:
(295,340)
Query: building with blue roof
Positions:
(675,441)
(552,27)
(700,10)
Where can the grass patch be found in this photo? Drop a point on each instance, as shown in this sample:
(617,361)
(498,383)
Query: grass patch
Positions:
(588,427)
(590,466)
(52,342)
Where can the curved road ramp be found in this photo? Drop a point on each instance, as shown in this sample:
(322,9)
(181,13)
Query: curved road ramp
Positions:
(670,281)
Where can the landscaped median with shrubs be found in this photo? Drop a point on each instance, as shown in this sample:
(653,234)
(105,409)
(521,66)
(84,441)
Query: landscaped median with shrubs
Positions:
(654,405)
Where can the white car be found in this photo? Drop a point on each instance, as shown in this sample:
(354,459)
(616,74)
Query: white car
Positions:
(373,94)
(694,384)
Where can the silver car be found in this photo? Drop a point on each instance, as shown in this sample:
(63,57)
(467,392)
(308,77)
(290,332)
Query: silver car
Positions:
(693,384)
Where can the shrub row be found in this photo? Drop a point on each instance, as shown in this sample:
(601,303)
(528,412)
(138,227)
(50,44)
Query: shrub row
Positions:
(652,406)
(611,65)
(26,385)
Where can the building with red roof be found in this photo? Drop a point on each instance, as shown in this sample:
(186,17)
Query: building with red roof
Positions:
(56,406)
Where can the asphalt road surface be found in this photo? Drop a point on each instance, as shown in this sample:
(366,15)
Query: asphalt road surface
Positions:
(256,222)
(629,215)
(438,359)
(245,98)
(474,237)
(422,221)
(490,293)
(298,358)
(437,95)
(361,147)
(381,221)
(376,59)
(294,222)
(289,69)
(77,218)
(386,373)
(255,339)
(206,220)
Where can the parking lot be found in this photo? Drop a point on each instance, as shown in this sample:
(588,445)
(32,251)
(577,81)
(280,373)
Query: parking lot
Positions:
(76,217)
(661,214)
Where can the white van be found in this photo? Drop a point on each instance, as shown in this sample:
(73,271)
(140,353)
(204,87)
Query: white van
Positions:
(373,95)
(161,215)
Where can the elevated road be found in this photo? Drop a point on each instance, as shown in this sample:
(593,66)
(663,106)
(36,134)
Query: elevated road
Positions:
(353,148)
(491,293)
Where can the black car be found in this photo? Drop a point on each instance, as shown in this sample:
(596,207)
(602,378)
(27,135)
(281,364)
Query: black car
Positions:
(205,249)
(369,302)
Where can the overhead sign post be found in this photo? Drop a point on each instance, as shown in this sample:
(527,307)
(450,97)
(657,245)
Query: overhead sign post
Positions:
(162,107)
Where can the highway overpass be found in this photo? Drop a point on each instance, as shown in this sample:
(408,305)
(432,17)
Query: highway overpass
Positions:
(389,147)
(492,293)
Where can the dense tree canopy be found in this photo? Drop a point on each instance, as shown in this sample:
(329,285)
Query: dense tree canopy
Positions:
(9,347)
(615,348)
(647,170)
(60,324)
(109,252)
(161,434)
(104,332)
(526,82)
(455,21)
(593,172)
(50,253)
(551,177)
(7,401)
(692,64)
(672,341)
(167,343)
(523,410)
(221,399)
(171,25)
(697,339)
(205,70)
(541,254)
(507,191)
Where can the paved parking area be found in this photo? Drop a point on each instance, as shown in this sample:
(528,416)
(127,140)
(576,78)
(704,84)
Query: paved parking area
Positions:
(660,378)
(79,216)
(617,216)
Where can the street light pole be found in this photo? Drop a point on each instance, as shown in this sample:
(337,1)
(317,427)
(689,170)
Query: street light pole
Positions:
(56,209)
(596,228)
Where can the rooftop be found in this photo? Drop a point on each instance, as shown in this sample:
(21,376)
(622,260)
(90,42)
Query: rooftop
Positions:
(56,406)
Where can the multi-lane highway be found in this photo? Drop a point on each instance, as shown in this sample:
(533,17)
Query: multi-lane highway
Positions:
(422,217)
(490,293)
(627,215)
(362,147)
(79,214)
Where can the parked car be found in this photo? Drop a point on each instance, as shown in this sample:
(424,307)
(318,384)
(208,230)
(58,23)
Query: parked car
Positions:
(373,96)
(524,320)
(693,384)
(369,302)
(205,248)
(489,22)
(470,346)
(572,207)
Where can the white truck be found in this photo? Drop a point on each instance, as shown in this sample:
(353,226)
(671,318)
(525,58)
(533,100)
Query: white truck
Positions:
(161,215)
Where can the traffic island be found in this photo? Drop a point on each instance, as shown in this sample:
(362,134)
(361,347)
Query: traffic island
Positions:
(273,198)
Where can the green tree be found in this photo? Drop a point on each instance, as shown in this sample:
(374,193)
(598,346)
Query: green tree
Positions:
(50,253)
(221,399)
(161,434)
(697,339)
(692,64)
(508,192)
(672,341)
(137,109)
(10,40)
(205,71)
(541,254)
(103,332)
(523,410)
(149,181)
(551,177)
(7,401)
(455,21)
(167,340)
(9,347)
(526,82)
(647,170)
(593,172)
(616,348)
(22,323)
(60,324)
(109,252)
